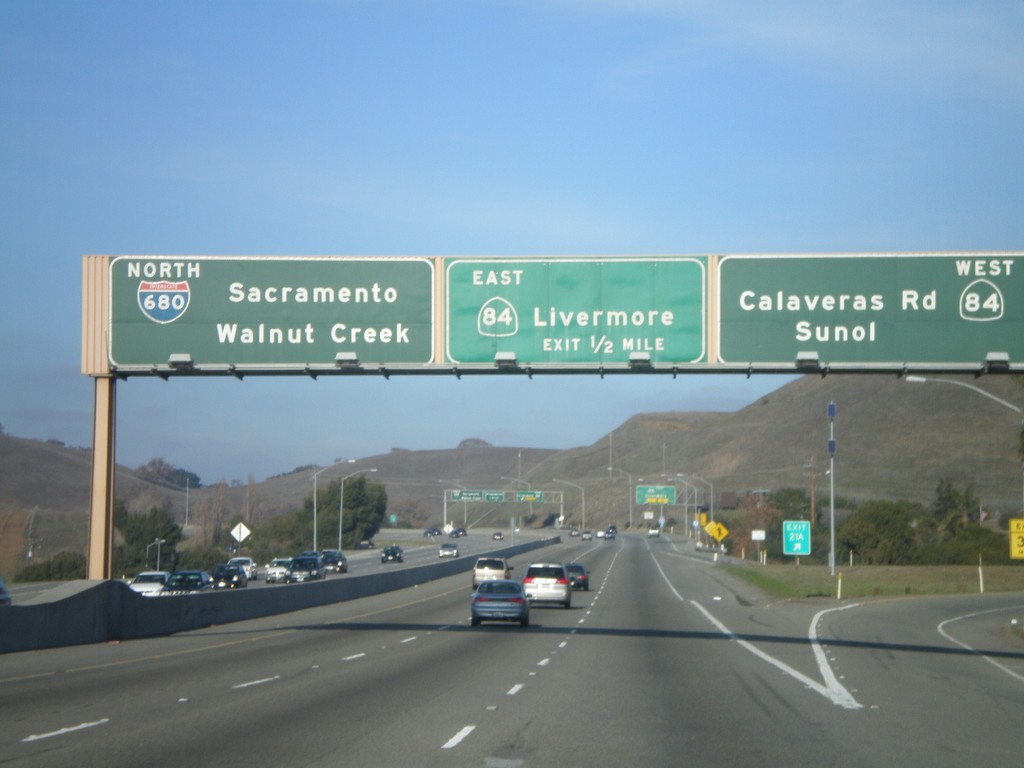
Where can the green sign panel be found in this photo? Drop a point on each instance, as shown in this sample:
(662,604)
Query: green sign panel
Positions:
(280,312)
(864,309)
(655,494)
(576,310)
(796,537)
(529,495)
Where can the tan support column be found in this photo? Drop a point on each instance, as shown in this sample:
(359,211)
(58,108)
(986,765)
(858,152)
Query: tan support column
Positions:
(99,564)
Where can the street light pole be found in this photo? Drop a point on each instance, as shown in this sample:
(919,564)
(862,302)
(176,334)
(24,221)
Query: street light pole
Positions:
(465,512)
(341,501)
(315,476)
(990,396)
(629,493)
(583,502)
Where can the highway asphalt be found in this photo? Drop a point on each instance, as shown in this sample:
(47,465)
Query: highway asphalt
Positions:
(666,661)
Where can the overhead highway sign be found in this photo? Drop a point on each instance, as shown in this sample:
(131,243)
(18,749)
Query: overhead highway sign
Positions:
(585,311)
(869,310)
(278,313)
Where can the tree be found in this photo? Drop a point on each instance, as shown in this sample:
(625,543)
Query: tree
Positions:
(138,533)
(160,471)
(881,532)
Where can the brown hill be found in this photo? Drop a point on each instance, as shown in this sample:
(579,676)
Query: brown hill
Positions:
(894,440)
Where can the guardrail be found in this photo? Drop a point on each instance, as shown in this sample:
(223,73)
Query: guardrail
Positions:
(110,610)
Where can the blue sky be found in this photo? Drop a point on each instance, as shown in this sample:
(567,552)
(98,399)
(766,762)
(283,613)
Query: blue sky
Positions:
(470,128)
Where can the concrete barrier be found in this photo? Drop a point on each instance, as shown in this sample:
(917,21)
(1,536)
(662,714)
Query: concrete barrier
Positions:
(103,611)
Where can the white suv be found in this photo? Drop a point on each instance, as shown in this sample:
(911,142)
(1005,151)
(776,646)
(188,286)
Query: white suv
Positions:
(247,564)
(548,583)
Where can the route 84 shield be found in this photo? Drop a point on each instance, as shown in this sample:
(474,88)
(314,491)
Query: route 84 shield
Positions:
(163,301)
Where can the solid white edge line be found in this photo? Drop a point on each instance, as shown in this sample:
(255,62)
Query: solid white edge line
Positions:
(454,740)
(975,651)
(837,694)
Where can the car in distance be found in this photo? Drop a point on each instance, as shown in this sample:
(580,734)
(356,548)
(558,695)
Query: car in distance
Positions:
(303,568)
(430,532)
(487,568)
(579,576)
(149,582)
(229,577)
(392,554)
(448,549)
(248,564)
(587,536)
(334,560)
(500,600)
(186,582)
(655,532)
(498,536)
(548,583)
(457,533)
(573,532)
(276,570)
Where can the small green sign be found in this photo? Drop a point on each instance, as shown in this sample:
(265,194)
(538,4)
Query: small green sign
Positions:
(282,313)
(864,309)
(576,310)
(655,494)
(796,537)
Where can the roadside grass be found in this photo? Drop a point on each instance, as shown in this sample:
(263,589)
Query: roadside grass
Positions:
(792,581)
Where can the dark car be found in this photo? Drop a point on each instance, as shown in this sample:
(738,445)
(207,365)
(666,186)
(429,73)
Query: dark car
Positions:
(432,532)
(229,577)
(304,568)
(391,554)
(186,582)
(334,560)
(498,536)
(5,596)
(457,533)
(579,576)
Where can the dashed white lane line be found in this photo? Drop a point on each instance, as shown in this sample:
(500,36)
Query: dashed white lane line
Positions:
(515,689)
(257,682)
(409,639)
(454,740)
(63,731)
(543,662)
(354,656)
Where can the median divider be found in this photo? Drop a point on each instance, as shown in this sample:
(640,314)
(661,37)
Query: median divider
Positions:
(105,611)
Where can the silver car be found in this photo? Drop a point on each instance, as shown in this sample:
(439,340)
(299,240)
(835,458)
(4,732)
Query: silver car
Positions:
(548,583)
(500,600)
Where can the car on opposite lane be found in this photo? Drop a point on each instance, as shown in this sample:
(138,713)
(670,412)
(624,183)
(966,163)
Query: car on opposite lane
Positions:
(149,582)
(392,554)
(448,549)
(500,600)
(334,561)
(226,576)
(186,582)
(248,564)
(548,583)
(276,570)
(304,568)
